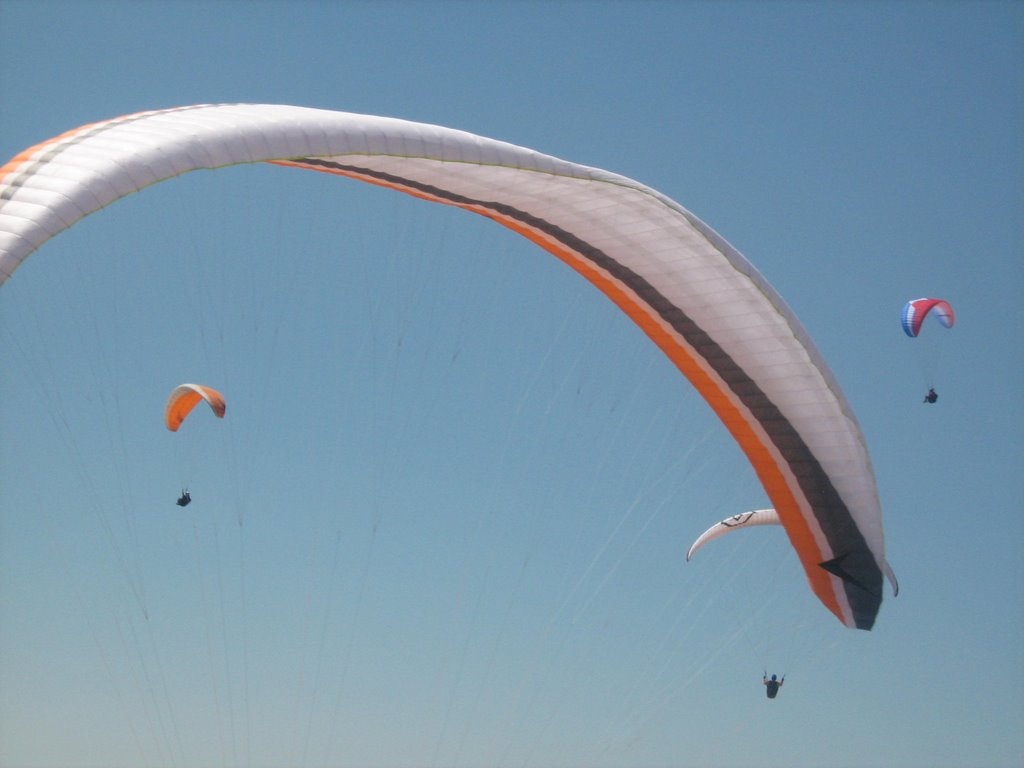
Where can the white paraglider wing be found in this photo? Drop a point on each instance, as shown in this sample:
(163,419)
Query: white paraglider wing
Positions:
(742,520)
(696,297)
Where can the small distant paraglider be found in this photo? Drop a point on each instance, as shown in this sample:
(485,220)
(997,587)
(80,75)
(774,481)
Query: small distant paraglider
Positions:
(914,313)
(182,400)
(185,397)
(744,519)
(916,310)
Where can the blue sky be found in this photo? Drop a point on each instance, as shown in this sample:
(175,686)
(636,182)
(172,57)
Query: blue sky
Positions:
(445,519)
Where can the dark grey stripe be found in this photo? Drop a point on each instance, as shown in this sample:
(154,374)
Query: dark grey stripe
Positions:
(864,587)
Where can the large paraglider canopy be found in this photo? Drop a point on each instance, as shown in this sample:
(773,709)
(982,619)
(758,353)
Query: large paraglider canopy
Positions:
(707,308)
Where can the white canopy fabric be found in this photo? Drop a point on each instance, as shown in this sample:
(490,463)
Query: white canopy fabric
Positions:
(696,297)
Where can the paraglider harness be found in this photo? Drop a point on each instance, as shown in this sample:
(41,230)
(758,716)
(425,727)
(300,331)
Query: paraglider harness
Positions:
(773,685)
(931,397)
(185,499)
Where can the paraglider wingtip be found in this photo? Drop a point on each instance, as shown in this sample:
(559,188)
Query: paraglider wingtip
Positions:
(889,574)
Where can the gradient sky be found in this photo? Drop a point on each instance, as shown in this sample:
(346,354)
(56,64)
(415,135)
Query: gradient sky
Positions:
(445,519)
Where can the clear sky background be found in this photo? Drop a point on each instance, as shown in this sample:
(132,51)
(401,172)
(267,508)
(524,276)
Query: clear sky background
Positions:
(445,519)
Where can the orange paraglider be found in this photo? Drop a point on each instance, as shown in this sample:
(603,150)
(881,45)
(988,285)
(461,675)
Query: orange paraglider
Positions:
(185,397)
